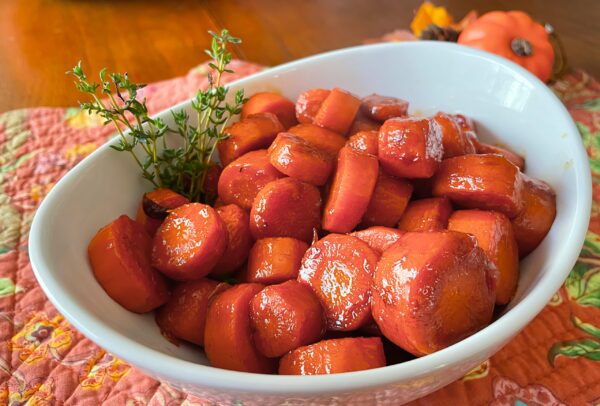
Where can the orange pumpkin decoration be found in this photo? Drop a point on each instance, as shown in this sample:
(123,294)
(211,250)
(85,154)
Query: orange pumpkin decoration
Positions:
(513,35)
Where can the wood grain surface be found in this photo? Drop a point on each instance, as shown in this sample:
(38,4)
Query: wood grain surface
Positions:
(154,40)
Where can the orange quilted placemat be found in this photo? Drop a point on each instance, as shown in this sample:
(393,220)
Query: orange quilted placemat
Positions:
(45,361)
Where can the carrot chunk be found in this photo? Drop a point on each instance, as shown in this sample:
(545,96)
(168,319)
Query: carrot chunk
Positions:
(228,336)
(184,315)
(308,104)
(251,133)
(190,242)
(242,179)
(410,147)
(120,258)
(334,356)
(286,208)
(339,269)
(337,111)
(267,102)
(432,289)
(299,159)
(487,182)
(285,317)
(426,215)
(351,190)
(275,260)
(495,236)
(239,239)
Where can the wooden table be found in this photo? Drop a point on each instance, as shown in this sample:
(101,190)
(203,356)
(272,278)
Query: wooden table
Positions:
(154,40)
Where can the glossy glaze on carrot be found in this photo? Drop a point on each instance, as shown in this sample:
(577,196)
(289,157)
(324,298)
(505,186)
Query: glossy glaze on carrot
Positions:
(120,258)
(339,269)
(432,289)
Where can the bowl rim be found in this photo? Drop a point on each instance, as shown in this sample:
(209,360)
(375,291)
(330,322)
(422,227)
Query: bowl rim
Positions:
(188,373)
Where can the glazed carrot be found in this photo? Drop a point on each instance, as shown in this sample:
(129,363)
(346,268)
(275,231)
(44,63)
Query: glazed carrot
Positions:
(252,133)
(454,140)
(120,258)
(154,206)
(275,260)
(184,315)
(308,104)
(190,242)
(242,179)
(299,159)
(378,238)
(285,317)
(464,123)
(432,289)
(334,357)
(382,108)
(426,215)
(363,123)
(239,239)
(495,236)
(339,269)
(539,210)
(364,141)
(389,200)
(286,208)
(351,190)
(487,182)
(267,102)
(211,181)
(410,147)
(337,111)
(228,340)
(322,138)
(483,148)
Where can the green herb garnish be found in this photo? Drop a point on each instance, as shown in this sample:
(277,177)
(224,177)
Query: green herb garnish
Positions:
(182,168)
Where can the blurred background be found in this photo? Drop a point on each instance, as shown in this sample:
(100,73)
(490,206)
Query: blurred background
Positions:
(155,40)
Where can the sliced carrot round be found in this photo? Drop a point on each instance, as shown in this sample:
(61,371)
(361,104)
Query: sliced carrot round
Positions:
(410,147)
(239,239)
(535,219)
(337,111)
(454,140)
(120,258)
(184,315)
(432,289)
(495,236)
(297,158)
(250,134)
(426,215)
(364,141)
(382,108)
(379,238)
(388,202)
(351,190)
(334,356)
(487,182)
(308,104)
(267,102)
(363,123)
(285,317)
(155,206)
(322,138)
(339,269)
(275,260)
(286,208)
(242,179)
(227,335)
(190,242)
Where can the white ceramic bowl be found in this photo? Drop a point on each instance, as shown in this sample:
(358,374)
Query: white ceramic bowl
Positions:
(506,101)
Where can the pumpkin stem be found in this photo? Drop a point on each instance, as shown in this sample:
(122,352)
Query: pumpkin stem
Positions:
(521,47)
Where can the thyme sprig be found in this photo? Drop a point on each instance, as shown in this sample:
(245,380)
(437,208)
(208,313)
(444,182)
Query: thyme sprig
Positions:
(183,167)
